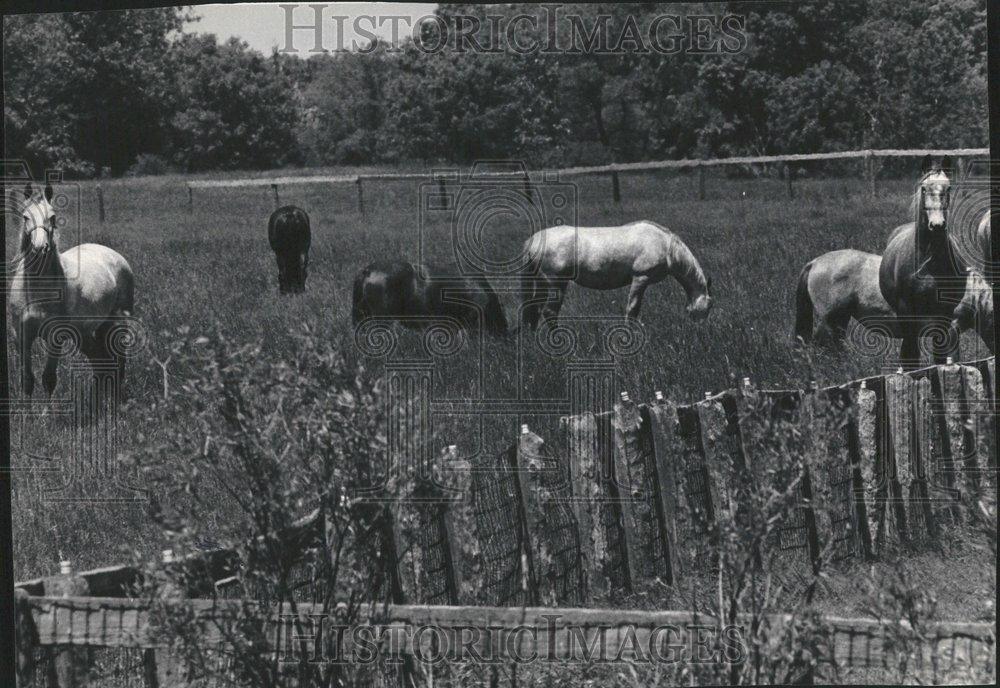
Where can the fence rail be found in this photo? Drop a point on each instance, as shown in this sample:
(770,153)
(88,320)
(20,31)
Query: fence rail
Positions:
(868,156)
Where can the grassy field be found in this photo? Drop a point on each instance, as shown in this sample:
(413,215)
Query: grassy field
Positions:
(214,267)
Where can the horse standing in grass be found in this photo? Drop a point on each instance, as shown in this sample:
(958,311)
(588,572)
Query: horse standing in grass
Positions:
(836,287)
(417,294)
(289,235)
(88,290)
(920,265)
(634,255)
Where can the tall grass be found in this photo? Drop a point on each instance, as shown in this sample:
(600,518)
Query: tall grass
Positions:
(214,268)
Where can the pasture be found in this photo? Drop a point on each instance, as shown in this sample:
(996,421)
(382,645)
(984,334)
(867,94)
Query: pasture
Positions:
(213,267)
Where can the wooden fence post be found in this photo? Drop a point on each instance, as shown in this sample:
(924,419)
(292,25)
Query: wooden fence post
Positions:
(100,204)
(68,665)
(361,196)
(163,667)
(616,193)
(789,178)
(528,189)
(443,193)
(662,419)
(26,636)
(277,200)
(635,475)
(190,200)
(863,451)
(701,182)
(589,504)
(869,167)
(550,527)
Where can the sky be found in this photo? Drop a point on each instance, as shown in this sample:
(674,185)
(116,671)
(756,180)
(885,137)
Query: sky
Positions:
(263,25)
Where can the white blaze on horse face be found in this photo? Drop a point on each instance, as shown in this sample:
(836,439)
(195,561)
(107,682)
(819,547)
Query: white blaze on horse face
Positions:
(935,189)
(39,218)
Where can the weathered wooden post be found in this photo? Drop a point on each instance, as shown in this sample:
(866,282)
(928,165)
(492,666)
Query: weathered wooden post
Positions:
(277,200)
(589,504)
(662,419)
(26,636)
(550,528)
(616,193)
(528,189)
(68,665)
(443,194)
(869,163)
(163,667)
(789,178)
(100,204)
(190,200)
(361,196)
(701,182)
(633,473)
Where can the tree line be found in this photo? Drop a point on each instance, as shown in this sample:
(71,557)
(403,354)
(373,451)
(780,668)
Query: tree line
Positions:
(140,91)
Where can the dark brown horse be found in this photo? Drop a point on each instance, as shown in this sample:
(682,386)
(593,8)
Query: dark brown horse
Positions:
(922,277)
(416,293)
(289,235)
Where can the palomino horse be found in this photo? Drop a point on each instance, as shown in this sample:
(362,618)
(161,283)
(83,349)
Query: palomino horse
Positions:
(636,255)
(416,294)
(920,264)
(90,286)
(289,235)
(836,287)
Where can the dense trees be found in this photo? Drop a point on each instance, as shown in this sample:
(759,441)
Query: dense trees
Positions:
(99,90)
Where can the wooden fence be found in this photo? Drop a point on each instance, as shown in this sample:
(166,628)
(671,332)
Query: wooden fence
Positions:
(62,633)
(868,158)
(637,501)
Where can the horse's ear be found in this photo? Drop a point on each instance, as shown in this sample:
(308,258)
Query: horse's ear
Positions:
(946,165)
(48,193)
(926,164)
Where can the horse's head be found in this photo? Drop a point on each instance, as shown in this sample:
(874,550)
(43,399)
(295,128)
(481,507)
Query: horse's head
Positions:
(935,191)
(39,222)
(700,300)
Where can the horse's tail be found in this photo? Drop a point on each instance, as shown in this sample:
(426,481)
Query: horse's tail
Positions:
(803,306)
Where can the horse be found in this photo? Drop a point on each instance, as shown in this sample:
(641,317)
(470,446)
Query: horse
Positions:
(90,287)
(289,235)
(975,310)
(836,287)
(919,264)
(636,255)
(416,294)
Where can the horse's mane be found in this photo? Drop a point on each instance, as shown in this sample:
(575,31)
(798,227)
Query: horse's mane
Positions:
(683,252)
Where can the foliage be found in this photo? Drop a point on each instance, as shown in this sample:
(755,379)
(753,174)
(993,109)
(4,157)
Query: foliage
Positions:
(268,442)
(88,91)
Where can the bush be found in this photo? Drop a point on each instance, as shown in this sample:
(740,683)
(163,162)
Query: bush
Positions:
(149,164)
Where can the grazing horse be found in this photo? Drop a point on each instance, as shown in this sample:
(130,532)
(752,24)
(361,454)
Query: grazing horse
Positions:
(636,255)
(89,286)
(920,264)
(289,235)
(836,287)
(975,311)
(411,291)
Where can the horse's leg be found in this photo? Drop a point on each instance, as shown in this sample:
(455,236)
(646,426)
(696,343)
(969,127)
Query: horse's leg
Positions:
(49,374)
(909,351)
(26,338)
(635,293)
(553,302)
(529,308)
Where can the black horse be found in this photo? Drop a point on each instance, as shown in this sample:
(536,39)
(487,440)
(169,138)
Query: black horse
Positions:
(289,235)
(411,292)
